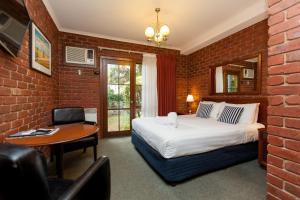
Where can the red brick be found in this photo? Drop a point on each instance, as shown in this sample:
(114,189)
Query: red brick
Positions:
(275,80)
(276,39)
(285,69)
(293,145)
(293,11)
(293,33)
(285,47)
(4,91)
(292,167)
(293,79)
(4,109)
(4,127)
(284,26)
(292,100)
(281,194)
(293,56)
(275,161)
(275,121)
(275,19)
(271,197)
(272,2)
(285,175)
(292,123)
(9,83)
(282,5)
(292,189)
(284,153)
(276,60)
(275,100)
(274,181)
(284,132)
(4,73)
(284,90)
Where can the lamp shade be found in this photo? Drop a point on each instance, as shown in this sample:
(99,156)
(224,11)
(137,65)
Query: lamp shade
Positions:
(149,32)
(190,98)
(164,30)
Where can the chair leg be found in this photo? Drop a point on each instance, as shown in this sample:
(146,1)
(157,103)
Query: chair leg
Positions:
(51,155)
(95,152)
(84,149)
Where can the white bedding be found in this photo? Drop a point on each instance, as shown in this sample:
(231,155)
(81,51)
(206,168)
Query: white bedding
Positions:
(193,135)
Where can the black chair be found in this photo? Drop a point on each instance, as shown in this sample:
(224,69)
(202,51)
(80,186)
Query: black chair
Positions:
(74,115)
(23,173)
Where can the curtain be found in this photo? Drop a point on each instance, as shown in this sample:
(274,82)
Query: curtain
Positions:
(219,79)
(166,84)
(149,86)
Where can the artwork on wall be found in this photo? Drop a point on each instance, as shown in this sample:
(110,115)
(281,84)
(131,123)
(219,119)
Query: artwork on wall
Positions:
(40,51)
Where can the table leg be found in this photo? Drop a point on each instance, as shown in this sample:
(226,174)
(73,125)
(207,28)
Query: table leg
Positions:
(59,160)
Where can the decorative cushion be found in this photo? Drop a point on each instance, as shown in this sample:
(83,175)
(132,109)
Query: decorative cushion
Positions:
(216,110)
(249,114)
(204,110)
(231,115)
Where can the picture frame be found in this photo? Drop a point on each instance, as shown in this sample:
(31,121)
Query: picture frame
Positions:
(40,51)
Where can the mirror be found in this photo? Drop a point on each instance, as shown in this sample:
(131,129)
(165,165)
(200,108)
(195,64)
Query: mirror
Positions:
(237,77)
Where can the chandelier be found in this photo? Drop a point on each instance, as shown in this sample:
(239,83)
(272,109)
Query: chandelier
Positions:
(157,34)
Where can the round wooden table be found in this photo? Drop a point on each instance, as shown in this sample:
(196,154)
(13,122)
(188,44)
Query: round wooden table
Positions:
(66,133)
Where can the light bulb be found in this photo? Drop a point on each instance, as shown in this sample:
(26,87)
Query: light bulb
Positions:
(164,30)
(149,32)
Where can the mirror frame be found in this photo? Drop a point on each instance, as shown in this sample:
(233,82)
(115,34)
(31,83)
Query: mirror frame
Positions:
(212,70)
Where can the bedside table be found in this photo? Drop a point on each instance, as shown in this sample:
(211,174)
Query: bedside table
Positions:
(262,147)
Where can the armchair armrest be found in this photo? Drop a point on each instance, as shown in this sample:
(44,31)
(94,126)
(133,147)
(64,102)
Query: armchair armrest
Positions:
(93,184)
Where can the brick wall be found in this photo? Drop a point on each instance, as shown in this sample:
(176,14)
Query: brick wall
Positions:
(250,41)
(83,90)
(283,170)
(27,96)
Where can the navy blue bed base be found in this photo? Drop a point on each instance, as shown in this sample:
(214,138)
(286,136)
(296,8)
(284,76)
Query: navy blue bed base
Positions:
(175,170)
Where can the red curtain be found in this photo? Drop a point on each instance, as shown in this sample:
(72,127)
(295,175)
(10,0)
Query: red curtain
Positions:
(166,84)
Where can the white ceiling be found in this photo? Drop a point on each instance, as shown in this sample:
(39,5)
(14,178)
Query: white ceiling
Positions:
(193,23)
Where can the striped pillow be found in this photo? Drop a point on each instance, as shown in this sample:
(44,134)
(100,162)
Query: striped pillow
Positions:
(204,110)
(231,115)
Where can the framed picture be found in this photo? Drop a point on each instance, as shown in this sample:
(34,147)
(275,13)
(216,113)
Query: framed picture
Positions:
(40,51)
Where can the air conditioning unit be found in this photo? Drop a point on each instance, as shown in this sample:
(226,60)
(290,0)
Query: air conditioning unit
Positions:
(81,56)
(248,73)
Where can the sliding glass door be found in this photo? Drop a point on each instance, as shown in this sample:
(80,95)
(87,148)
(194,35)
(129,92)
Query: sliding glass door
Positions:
(122,95)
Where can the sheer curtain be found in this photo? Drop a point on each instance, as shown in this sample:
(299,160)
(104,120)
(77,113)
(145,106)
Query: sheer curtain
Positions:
(149,86)
(219,79)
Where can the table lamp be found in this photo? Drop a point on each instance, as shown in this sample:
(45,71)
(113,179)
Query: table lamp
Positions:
(189,100)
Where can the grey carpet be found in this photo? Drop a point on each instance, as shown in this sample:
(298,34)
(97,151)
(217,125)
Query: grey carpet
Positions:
(133,179)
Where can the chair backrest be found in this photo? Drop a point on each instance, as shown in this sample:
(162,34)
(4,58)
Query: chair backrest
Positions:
(22,174)
(67,115)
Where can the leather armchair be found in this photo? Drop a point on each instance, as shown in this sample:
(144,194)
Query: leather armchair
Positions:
(23,176)
(74,115)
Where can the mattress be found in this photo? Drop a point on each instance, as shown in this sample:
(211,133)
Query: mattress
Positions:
(175,170)
(193,135)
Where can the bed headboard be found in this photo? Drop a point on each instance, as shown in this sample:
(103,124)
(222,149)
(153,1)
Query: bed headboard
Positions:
(262,115)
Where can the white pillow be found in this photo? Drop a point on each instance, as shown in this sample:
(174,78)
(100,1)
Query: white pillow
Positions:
(250,113)
(215,112)
(256,113)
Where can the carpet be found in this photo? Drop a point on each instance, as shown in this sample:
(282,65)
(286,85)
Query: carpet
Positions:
(133,179)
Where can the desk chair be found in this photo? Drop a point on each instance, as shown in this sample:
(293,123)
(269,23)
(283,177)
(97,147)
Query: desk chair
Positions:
(23,173)
(71,115)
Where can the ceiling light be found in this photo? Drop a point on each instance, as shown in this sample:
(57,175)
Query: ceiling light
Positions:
(157,34)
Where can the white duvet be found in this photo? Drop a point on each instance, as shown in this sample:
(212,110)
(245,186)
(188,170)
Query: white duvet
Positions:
(193,135)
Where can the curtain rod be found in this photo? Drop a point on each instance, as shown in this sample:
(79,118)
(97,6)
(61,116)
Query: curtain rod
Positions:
(123,50)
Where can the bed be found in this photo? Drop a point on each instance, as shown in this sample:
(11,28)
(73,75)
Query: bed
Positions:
(196,146)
